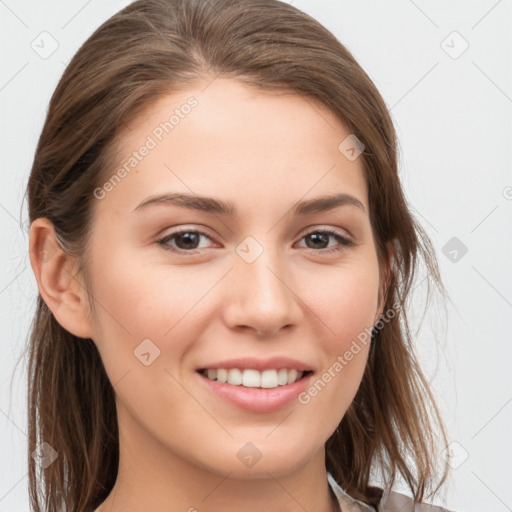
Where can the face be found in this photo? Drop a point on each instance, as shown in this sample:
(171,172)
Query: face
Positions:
(178,289)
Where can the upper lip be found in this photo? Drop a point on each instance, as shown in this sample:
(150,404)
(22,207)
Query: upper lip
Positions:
(272,363)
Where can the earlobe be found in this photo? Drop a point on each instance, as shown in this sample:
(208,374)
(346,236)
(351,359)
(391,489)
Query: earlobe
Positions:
(57,280)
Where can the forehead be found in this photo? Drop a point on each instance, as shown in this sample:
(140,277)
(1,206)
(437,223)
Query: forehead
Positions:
(229,140)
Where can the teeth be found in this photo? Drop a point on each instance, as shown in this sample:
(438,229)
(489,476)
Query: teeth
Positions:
(282,377)
(253,378)
(235,377)
(222,375)
(269,379)
(250,379)
(293,375)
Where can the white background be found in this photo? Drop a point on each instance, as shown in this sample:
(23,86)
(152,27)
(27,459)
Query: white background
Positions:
(453,117)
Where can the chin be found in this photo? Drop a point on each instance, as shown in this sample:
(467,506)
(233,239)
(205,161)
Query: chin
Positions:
(253,460)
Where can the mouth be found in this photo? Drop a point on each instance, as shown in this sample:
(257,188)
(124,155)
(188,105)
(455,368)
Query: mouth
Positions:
(253,391)
(251,378)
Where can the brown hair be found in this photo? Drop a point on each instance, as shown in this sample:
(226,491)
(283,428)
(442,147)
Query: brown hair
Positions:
(153,48)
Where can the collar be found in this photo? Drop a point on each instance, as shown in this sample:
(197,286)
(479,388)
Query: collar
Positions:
(345,501)
(391,501)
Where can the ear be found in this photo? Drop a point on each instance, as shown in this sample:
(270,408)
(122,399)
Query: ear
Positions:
(57,279)
(385,277)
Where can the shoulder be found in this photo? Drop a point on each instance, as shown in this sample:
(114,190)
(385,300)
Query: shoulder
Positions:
(393,502)
(389,501)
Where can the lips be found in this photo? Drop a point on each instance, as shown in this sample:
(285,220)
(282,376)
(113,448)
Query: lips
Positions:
(256,399)
(254,384)
(252,363)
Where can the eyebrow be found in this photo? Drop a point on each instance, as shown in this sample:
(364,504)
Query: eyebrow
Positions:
(228,209)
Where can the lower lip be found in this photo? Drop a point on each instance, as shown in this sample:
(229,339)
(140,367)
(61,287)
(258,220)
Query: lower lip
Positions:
(257,399)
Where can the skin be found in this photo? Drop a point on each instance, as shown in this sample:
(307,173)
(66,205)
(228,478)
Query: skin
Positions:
(178,442)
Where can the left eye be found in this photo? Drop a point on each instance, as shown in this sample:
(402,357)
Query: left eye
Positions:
(187,240)
(190,238)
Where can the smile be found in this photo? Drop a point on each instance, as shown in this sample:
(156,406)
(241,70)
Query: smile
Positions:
(251,378)
(247,389)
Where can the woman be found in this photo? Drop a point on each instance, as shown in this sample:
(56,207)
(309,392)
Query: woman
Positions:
(251,368)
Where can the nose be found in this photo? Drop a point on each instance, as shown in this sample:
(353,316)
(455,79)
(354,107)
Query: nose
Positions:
(261,296)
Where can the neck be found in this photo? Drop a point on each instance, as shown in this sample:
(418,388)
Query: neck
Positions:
(151,476)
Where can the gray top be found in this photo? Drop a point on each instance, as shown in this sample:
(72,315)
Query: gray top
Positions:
(391,502)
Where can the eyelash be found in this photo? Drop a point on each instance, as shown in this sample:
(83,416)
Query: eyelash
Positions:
(344,241)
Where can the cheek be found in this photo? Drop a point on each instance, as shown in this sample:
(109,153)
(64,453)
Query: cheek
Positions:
(144,323)
(345,301)
(138,300)
(346,306)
